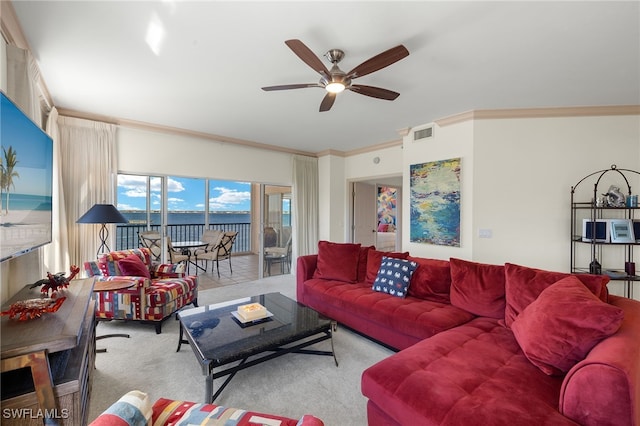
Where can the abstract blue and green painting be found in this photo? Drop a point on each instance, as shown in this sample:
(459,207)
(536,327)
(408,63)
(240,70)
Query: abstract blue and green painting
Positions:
(435,202)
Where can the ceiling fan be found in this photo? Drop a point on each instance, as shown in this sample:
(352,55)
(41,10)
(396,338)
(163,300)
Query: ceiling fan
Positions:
(335,80)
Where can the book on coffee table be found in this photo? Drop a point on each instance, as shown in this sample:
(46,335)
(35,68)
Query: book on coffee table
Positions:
(252,311)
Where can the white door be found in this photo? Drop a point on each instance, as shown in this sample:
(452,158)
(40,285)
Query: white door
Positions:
(364,213)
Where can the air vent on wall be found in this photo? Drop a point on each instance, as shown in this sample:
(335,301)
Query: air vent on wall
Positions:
(422,134)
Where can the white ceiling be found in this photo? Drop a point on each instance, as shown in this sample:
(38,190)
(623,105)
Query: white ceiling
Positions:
(215,57)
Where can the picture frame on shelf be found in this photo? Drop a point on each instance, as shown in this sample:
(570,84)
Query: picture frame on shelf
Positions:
(621,231)
(595,230)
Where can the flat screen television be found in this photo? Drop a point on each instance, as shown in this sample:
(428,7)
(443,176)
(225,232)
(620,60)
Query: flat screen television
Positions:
(26,182)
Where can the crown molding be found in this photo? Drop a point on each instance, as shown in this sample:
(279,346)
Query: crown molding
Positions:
(370,148)
(581,111)
(177,131)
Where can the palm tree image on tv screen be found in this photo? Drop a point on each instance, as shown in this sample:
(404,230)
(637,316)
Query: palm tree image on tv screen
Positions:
(26,164)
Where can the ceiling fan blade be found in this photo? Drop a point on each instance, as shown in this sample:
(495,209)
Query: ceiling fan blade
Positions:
(307,56)
(374,92)
(379,61)
(327,102)
(290,86)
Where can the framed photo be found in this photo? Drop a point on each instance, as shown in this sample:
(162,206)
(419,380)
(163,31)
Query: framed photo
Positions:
(595,230)
(621,231)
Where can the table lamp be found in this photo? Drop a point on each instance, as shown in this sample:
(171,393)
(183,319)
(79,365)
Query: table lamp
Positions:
(102,214)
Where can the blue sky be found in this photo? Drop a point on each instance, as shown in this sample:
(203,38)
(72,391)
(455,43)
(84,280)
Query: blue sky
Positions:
(184,194)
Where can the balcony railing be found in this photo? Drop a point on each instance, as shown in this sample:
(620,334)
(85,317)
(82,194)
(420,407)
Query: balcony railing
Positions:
(127,235)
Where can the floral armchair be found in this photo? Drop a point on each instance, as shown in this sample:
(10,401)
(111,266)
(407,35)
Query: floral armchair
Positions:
(158,291)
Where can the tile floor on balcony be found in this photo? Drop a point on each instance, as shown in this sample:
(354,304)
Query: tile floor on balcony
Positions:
(245,268)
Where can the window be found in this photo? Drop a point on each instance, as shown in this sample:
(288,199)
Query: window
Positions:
(192,205)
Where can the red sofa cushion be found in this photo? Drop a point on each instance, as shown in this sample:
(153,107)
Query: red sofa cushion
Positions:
(524,284)
(432,279)
(472,374)
(337,261)
(362,262)
(410,316)
(563,324)
(133,266)
(374,257)
(478,288)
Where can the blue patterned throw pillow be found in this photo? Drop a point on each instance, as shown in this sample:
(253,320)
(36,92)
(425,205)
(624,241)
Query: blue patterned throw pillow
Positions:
(394,276)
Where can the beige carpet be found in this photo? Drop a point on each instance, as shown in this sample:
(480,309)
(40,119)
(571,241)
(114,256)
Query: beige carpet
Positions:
(291,385)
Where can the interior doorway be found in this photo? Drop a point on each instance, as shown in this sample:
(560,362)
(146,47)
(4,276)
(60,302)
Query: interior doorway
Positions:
(376,213)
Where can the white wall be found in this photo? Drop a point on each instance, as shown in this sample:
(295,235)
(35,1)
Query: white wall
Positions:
(525,169)
(454,141)
(517,175)
(143,151)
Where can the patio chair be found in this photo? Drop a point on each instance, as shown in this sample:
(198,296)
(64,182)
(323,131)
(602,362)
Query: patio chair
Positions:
(218,252)
(153,241)
(212,237)
(275,255)
(175,255)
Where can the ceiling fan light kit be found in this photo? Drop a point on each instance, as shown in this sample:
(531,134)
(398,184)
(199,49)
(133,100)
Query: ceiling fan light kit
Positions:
(334,87)
(335,80)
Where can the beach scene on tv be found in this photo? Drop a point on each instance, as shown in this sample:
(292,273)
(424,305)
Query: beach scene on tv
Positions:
(26,164)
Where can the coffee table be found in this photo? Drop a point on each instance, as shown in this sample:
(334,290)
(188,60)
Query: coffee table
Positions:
(218,338)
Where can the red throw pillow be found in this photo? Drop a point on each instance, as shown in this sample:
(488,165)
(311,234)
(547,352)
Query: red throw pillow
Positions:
(524,284)
(362,262)
(133,266)
(337,261)
(374,258)
(432,280)
(478,288)
(559,328)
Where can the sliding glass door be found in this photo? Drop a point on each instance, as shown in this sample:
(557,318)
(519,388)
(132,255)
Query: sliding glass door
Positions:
(276,241)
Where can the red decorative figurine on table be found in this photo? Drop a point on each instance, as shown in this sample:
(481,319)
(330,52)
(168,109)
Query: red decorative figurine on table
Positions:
(34,308)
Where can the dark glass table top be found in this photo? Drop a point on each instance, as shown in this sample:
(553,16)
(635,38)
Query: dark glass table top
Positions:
(219,338)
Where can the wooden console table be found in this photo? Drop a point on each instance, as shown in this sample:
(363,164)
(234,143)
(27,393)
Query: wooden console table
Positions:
(29,343)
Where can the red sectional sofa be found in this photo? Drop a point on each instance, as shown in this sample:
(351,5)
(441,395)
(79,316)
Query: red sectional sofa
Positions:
(479,343)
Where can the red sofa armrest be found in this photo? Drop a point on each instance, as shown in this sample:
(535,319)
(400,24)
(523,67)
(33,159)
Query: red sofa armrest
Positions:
(306,266)
(604,388)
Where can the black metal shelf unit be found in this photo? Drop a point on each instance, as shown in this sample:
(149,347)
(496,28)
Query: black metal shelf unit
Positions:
(588,244)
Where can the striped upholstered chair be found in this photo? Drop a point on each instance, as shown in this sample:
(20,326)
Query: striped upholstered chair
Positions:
(158,291)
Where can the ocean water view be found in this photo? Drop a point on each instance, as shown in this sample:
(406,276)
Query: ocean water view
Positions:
(188,218)
(26,201)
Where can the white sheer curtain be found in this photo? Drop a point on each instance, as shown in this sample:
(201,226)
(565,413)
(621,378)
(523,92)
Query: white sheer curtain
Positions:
(89,176)
(305,200)
(22,74)
(56,254)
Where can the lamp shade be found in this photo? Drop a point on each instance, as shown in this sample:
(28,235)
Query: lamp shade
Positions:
(102,213)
